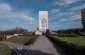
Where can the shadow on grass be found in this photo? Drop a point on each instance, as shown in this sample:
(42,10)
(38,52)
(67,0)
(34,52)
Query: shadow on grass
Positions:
(29,52)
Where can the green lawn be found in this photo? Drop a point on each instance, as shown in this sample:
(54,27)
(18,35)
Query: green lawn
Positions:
(4,49)
(75,40)
(22,39)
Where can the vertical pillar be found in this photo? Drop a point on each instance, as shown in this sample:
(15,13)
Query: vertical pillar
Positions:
(43,21)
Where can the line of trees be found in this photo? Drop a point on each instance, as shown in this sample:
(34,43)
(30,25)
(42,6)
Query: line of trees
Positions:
(12,32)
(16,31)
(71,32)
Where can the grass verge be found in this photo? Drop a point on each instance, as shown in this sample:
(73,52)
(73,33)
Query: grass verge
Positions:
(71,45)
(4,49)
(80,41)
(23,39)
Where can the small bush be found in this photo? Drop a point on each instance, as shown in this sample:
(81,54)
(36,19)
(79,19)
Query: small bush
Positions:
(1,37)
(48,33)
(30,41)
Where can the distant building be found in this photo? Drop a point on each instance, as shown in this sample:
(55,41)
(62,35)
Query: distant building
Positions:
(83,17)
(18,34)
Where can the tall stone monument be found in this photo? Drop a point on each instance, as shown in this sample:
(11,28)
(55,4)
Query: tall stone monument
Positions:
(43,21)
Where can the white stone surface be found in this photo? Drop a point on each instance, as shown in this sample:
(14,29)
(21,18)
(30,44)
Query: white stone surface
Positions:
(18,34)
(38,32)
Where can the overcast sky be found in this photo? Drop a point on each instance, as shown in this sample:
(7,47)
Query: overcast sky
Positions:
(63,14)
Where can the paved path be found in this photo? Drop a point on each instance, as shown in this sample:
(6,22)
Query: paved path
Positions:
(42,46)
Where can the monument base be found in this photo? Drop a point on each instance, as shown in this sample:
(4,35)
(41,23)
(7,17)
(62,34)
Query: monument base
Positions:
(37,32)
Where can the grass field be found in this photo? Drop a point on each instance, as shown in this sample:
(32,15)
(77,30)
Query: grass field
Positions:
(80,41)
(4,49)
(22,39)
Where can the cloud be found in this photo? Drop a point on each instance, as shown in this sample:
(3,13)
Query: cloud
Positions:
(5,7)
(55,11)
(70,1)
(65,2)
(60,14)
(58,3)
(6,11)
(75,17)
(78,7)
(65,13)
(71,18)
(62,20)
(28,18)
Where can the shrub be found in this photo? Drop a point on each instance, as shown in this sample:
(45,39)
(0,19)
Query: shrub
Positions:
(68,35)
(48,33)
(1,37)
(73,32)
(30,41)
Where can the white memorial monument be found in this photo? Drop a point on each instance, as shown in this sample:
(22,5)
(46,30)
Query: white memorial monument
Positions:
(43,22)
